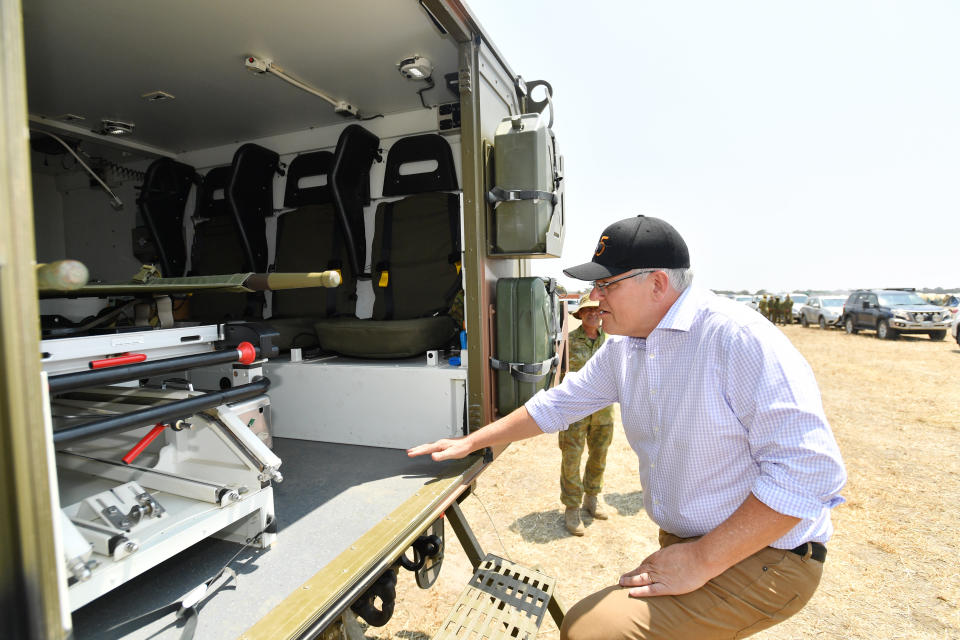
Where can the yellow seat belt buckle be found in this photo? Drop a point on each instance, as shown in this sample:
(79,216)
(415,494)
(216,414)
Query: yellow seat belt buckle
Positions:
(457,265)
(384,279)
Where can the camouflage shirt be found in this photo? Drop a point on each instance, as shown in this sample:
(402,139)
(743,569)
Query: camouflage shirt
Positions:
(582,349)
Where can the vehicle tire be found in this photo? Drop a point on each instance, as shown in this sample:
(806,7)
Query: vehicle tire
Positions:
(849,326)
(884,332)
(822,322)
(938,335)
(803,321)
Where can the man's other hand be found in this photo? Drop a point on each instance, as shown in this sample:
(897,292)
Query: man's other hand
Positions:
(446,449)
(670,571)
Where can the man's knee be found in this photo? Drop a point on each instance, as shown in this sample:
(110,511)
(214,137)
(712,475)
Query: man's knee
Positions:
(595,618)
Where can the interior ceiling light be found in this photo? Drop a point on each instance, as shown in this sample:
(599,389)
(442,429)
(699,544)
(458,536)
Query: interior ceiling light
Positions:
(115,128)
(415,68)
(262,66)
(157,96)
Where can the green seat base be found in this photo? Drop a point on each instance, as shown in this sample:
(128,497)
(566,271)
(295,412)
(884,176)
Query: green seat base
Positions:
(385,338)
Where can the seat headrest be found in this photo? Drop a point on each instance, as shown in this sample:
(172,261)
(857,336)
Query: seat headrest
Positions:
(211,194)
(423,148)
(308,165)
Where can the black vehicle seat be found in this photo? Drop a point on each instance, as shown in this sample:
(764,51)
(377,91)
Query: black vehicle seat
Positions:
(415,260)
(162,203)
(309,239)
(230,231)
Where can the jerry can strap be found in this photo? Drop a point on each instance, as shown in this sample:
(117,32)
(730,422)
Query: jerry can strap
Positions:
(498,195)
(526,372)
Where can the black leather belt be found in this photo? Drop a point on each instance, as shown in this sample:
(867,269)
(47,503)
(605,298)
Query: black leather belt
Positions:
(816,550)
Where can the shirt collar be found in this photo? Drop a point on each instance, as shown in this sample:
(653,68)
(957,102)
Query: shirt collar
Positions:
(681,314)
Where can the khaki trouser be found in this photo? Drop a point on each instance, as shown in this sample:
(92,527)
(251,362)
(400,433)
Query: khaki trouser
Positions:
(597,438)
(753,595)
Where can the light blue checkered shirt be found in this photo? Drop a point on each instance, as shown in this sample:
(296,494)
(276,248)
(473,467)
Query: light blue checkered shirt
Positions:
(716,403)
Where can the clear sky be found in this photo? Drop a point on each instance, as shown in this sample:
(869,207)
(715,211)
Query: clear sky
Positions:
(795,145)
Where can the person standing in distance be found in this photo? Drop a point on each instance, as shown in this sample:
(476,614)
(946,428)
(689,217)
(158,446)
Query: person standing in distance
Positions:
(595,431)
(737,463)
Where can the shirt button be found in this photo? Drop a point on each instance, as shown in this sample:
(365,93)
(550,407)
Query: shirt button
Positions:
(652,356)
(653,464)
(653,392)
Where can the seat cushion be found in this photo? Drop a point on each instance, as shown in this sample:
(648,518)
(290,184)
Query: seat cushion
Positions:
(385,338)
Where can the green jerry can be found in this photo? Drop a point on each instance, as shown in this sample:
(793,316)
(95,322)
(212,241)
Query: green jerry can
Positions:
(528,328)
(528,196)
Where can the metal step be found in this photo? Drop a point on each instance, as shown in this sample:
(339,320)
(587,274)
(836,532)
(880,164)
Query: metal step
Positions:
(502,600)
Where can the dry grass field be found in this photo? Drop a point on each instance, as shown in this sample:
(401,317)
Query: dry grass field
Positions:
(892,569)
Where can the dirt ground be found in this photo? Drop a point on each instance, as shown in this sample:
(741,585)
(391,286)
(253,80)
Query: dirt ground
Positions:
(892,569)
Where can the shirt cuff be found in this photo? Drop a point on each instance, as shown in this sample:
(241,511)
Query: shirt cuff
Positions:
(549,420)
(789,502)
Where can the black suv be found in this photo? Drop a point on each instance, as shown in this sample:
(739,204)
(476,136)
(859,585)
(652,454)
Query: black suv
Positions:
(891,312)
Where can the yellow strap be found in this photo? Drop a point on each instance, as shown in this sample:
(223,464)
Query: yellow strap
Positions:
(384,279)
(457,264)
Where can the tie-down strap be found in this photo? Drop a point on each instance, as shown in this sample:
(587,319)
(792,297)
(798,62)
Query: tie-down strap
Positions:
(498,195)
(526,372)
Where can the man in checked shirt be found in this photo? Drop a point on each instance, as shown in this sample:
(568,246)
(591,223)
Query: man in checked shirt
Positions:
(738,465)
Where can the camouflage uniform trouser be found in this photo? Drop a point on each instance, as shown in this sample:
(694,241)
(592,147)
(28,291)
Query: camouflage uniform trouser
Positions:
(597,438)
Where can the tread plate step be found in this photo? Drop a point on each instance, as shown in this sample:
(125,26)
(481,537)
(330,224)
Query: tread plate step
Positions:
(502,600)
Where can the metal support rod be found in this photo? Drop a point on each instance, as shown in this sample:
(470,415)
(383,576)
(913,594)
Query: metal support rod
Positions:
(465,535)
(159,414)
(123,373)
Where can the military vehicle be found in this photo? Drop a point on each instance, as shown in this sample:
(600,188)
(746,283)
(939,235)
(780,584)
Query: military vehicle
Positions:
(249,254)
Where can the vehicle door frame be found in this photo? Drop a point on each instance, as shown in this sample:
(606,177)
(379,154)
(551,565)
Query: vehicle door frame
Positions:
(29,567)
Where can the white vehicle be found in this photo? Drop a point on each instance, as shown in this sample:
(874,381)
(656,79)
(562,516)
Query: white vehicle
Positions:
(823,311)
(273,236)
(955,329)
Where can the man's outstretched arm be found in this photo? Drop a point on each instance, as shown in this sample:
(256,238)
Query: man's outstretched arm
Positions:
(517,425)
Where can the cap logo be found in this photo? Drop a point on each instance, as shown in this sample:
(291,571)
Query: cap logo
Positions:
(601,246)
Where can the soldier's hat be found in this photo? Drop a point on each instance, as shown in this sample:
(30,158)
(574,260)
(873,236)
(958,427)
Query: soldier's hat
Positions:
(585,303)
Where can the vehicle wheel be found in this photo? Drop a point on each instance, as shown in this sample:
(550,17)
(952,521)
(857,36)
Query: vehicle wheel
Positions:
(848,325)
(803,321)
(822,322)
(938,335)
(884,332)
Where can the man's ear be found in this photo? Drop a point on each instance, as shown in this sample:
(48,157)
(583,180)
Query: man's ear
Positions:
(661,284)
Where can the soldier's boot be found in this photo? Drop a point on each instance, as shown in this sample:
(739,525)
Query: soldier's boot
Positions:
(571,520)
(592,506)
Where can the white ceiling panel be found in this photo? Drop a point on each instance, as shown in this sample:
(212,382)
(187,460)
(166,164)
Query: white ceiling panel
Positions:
(97,57)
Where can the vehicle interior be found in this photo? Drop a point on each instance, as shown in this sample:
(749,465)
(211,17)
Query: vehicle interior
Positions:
(286,137)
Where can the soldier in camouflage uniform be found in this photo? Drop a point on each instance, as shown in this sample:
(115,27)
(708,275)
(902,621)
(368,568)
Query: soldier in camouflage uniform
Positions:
(762,307)
(595,431)
(788,310)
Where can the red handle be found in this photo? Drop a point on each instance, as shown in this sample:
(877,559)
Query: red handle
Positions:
(126,358)
(143,444)
(247,352)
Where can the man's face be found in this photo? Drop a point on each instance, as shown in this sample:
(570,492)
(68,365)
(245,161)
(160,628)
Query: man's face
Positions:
(629,307)
(590,318)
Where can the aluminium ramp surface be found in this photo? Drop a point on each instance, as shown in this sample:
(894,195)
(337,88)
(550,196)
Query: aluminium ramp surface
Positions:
(331,498)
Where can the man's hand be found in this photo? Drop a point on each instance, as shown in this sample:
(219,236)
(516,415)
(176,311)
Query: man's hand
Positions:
(670,571)
(515,426)
(446,449)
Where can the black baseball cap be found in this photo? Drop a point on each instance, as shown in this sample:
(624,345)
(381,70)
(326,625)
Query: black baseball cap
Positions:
(635,243)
